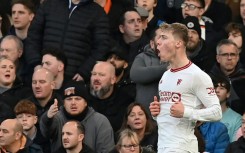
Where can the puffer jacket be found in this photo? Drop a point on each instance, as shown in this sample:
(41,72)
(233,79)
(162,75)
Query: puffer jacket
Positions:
(82,32)
(216,137)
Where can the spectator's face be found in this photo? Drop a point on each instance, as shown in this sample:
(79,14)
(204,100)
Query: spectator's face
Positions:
(137,119)
(193,41)
(119,63)
(28,121)
(101,81)
(129,146)
(236,37)
(75,105)
(7,134)
(9,49)
(222,93)
(197,12)
(242,9)
(147,4)
(132,27)
(228,58)
(42,85)
(21,16)
(153,43)
(52,64)
(7,73)
(70,136)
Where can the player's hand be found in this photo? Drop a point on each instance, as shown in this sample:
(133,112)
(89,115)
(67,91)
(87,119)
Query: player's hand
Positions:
(77,77)
(53,109)
(155,107)
(177,110)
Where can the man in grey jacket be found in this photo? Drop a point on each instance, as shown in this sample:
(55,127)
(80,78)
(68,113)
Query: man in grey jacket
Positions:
(99,131)
(147,70)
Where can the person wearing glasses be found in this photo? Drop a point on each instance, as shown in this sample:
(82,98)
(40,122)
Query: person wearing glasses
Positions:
(129,143)
(227,66)
(197,8)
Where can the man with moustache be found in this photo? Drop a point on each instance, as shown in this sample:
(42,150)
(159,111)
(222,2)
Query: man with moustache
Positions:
(107,98)
(196,48)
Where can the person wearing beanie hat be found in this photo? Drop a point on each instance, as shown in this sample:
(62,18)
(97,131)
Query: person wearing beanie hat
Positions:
(76,88)
(26,114)
(118,58)
(196,47)
(99,134)
(192,22)
(197,8)
(231,119)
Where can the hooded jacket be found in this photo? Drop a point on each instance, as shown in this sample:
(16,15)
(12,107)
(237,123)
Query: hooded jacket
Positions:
(98,131)
(146,72)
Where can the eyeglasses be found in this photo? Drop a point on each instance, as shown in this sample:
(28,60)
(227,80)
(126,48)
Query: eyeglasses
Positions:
(190,6)
(232,55)
(130,146)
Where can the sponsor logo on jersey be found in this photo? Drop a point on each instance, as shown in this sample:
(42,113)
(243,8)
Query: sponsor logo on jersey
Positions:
(211,91)
(167,96)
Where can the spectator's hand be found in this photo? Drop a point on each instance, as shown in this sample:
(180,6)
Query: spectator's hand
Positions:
(155,107)
(53,109)
(77,77)
(177,110)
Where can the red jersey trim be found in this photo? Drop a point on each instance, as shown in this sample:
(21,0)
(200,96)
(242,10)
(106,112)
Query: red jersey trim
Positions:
(181,68)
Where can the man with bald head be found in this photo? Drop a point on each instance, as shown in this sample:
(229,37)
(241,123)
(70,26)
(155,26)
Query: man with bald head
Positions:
(43,90)
(13,140)
(72,138)
(43,94)
(107,98)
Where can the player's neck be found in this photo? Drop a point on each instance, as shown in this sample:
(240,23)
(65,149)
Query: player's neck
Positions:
(179,62)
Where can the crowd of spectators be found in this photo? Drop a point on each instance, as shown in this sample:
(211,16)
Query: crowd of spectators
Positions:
(79,75)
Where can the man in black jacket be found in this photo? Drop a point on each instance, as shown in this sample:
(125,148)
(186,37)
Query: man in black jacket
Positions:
(80,28)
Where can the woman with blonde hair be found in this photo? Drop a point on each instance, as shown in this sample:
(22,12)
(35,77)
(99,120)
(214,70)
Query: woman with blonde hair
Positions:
(129,143)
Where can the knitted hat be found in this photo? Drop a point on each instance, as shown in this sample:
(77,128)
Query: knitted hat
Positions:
(75,88)
(119,51)
(192,22)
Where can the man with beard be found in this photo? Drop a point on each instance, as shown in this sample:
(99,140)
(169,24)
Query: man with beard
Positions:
(196,48)
(118,58)
(147,70)
(227,66)
(107,98)
(99,135)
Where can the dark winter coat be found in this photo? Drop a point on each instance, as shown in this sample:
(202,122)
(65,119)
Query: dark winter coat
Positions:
(82,32)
